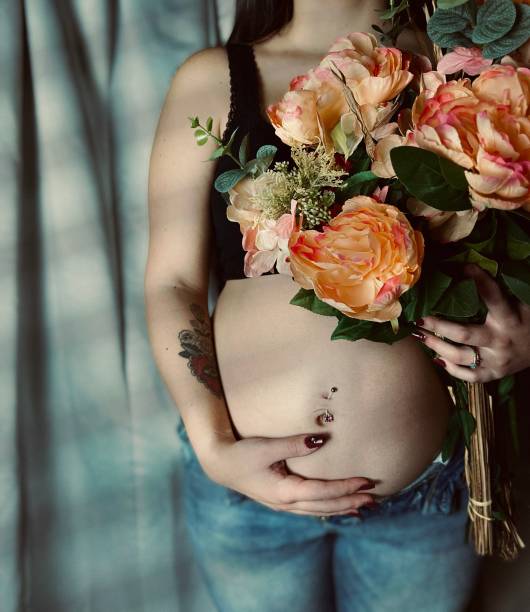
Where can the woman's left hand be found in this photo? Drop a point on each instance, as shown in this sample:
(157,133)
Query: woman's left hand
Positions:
(502,342)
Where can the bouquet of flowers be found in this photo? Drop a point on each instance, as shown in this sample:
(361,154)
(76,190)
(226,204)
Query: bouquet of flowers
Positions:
(402,172)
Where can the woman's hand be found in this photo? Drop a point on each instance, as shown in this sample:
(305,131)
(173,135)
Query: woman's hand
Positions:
(256,468)
(503,341)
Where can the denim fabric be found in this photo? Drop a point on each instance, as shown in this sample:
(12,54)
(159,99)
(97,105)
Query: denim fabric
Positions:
(409,553)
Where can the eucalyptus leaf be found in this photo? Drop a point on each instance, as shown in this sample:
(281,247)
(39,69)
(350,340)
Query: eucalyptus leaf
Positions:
(244,150)
(516,275)
(460,300)
(448,21)
(306,298)
(447,4)
(515,38)
(495,18)
(227,180)
(201,137)
(219,152)
(266,151)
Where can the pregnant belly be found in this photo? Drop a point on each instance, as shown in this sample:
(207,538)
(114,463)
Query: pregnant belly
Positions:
(387,417)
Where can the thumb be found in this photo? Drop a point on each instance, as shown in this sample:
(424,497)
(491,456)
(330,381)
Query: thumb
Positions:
(279,449)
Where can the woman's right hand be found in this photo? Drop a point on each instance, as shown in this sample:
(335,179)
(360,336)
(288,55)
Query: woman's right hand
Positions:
(256,468)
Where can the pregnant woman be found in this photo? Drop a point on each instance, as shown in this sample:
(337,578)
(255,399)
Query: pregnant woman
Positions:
(314,478)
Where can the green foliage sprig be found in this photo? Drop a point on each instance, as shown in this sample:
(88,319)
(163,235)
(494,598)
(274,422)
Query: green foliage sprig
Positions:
(498,26)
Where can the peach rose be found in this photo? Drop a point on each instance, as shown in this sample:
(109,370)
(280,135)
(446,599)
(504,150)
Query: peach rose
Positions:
(308,113)
(504,85)
(382,164)
(315,102)
(502,168)
(362,261)
(444,122)
(445,226)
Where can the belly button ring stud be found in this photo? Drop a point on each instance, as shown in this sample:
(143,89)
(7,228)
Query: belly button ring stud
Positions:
(331,392)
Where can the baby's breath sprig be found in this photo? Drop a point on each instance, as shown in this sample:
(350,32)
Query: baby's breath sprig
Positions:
(310,182)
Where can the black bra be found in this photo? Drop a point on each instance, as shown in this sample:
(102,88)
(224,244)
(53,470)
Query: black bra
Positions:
(245,113)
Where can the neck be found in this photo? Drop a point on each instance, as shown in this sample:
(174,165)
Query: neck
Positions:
(317,24)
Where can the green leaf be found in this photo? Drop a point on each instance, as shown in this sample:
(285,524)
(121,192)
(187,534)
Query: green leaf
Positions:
(514,429)
(516,37)
(472,256)
(459,301)
(516,275)
(451,437)
(266,151)
(209,124)
(505,386)
(230,142)
(352,186)
(483,236)
(447,4)
(201,137)
(421,173)
(435,285)
(448,21)
(194,122)
(227,180)
(351,329)
(467,424)
(219,152)
(395,10)
(306,298)
(244,150)
(495,18)
(453,174)
(517,240)
(357,329)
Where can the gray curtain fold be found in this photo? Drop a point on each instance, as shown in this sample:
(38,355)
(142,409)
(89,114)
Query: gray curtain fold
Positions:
(90,508)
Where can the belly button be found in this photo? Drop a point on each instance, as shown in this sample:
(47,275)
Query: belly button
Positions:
(325,417)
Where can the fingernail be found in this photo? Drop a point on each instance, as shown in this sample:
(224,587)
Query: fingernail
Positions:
(419,322)
(354,513)
(366,486)
(418,334)
(314,441)
(439,362)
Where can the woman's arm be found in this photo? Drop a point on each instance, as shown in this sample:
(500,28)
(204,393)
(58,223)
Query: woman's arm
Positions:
(176,289)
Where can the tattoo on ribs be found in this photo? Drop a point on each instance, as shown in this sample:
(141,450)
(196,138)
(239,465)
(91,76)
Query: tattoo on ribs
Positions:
(199,351)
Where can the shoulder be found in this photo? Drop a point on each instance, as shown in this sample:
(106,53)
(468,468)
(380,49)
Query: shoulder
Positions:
(207,67)
(202,84)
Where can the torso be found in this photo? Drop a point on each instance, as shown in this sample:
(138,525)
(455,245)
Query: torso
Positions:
(277,361)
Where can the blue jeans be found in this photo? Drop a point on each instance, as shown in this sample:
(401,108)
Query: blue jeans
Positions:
(409,553)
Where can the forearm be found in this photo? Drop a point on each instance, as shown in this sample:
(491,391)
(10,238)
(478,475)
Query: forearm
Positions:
(181,337)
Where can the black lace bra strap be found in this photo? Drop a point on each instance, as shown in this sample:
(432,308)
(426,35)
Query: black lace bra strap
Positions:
(245,88)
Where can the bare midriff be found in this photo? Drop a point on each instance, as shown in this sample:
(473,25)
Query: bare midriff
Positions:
(277,363)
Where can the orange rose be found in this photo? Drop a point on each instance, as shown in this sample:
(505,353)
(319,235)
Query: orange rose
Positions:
(362,261)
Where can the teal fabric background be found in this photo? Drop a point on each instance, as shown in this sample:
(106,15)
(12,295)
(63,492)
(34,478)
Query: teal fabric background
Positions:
(90,506)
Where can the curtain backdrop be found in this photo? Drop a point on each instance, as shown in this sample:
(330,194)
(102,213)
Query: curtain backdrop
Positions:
(90,506)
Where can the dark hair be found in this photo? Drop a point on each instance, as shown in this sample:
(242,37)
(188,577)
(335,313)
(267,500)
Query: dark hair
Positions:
(257,20)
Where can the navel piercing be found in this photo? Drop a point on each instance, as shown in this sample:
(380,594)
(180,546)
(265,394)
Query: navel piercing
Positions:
(326,417)
(331,392)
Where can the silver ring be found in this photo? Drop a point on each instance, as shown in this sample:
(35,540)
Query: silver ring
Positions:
(476,358)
